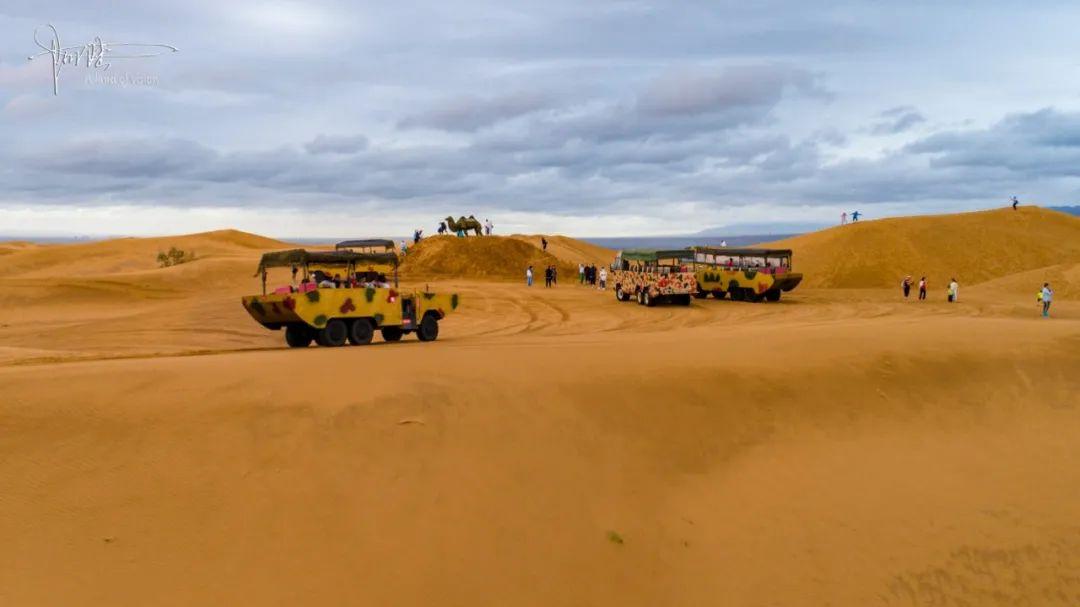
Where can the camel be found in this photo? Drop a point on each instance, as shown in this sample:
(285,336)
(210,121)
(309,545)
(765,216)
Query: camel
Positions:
(465,225)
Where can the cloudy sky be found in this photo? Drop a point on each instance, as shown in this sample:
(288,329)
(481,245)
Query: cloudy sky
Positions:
(603,118)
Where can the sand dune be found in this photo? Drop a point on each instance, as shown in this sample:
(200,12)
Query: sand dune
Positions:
(554,447)
(127,254)
(570,250)
(497,257)
(973,247)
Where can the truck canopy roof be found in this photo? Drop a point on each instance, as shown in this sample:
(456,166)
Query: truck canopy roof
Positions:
(302,257)
(732,252)
(654,254)
(365,243)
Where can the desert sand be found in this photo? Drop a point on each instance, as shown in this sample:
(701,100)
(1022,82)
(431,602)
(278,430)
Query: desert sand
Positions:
(553,447)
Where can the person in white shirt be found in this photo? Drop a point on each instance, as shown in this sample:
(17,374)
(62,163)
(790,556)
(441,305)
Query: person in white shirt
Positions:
(581,273)
(1047,297)
(528,276)
(603,279)
(954,290)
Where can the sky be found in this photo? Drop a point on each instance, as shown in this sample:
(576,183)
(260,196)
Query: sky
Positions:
(603,118)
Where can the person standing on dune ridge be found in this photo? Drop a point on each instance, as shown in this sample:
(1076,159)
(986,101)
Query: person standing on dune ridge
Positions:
(906,285)
(1015,203)
(1047,297)
(922,288)
(843,218)
(543,243)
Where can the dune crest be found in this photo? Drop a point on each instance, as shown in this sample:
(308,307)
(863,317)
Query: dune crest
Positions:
(972,247)
(492,256)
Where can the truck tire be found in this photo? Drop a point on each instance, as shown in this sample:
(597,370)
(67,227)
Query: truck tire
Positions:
(298,336)
(753,297)
(333,334)
(699,294)
(719,294)
(773,295)
(684,300)
(647,299)
(619,295)
(736,294)
(361,331)
(392,333)
(429,328)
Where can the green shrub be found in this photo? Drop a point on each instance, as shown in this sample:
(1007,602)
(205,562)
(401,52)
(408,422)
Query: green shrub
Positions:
(174,257)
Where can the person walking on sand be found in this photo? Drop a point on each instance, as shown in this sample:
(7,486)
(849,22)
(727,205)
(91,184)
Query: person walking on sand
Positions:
(954,290)
(528,276)
(922,288)
(1047,297)
(543,243)
(1015,203)
(855,216)
(906,285)
(843,218)
(581,273)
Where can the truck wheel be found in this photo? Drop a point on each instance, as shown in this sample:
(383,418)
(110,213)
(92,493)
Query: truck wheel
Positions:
(718,294)
(684,300)
(641,298)
(429,329)
(736,294)
(361,332)
(647,299)
(699,294)
(298,336)
(392,333)
(752,296)
(333,334)
(773,295)
(619,295)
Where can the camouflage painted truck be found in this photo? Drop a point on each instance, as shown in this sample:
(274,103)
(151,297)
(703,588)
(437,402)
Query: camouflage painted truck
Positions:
(318,310)
(652,276)
(743,274)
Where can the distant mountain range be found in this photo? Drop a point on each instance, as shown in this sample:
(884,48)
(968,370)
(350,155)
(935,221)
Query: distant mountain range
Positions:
(1069,210)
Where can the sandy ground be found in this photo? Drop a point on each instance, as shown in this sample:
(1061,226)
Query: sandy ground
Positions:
(554,447)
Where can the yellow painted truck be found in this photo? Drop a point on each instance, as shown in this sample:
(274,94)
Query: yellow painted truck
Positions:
(652,276)
(345,306)
(743,274)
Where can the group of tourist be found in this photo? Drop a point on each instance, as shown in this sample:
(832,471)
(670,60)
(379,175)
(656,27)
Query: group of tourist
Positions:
(590,275)
(855,215)
(1043,297)
(952,294)
(323,280)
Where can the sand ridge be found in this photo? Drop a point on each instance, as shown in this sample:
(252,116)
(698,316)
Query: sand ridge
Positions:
(972,247)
